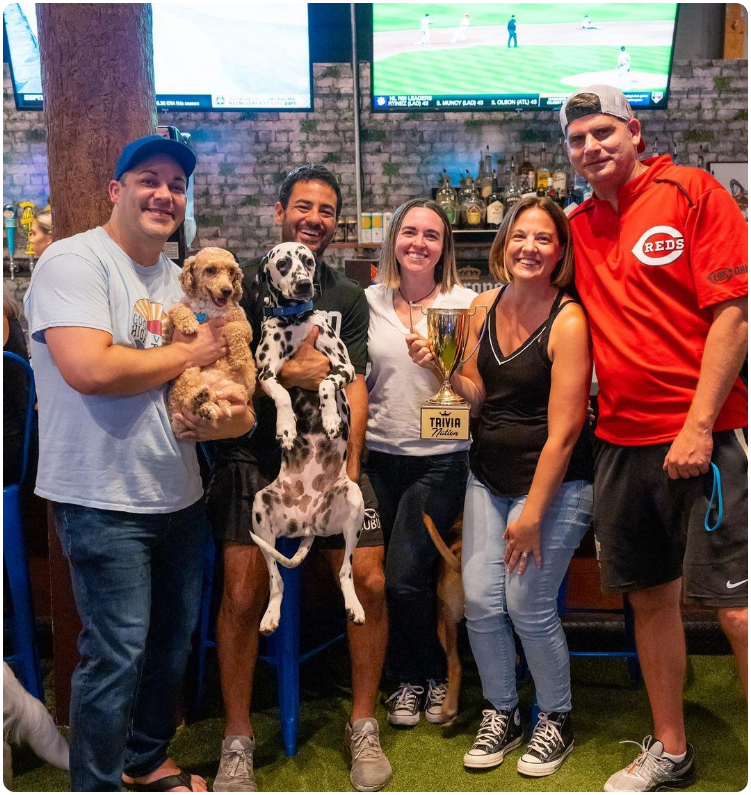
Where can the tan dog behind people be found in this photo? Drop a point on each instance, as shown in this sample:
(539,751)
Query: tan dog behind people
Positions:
(211,281)
(450,611)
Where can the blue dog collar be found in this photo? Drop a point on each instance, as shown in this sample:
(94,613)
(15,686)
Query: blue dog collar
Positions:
(287,311)
(200,316)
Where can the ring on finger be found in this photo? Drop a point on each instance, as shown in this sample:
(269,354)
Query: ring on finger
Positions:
(525,555)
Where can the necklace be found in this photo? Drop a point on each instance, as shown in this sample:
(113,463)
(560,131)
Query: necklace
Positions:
(411,303)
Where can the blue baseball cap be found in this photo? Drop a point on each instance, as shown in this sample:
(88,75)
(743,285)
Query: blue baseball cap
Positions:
(142,148)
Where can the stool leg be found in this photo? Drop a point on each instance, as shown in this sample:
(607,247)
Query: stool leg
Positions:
(19,585)
(287,651)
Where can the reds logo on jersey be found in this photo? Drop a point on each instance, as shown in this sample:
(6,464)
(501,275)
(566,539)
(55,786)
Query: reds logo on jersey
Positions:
(659,245)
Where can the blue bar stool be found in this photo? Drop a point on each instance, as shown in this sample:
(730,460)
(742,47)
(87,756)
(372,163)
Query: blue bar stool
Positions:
(25,655)
(629,652)
(282,648)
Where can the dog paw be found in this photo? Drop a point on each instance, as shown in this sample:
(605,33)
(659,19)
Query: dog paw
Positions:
(269,624)
(208,411)
(332,426)
(201,397)
(356,615)
(286,435)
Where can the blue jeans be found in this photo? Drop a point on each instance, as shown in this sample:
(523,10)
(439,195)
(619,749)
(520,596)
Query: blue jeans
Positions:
(497,600)
(137,584)
(407,487)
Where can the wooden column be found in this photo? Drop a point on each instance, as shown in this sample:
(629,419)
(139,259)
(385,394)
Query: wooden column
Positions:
(98,85)
(736,26)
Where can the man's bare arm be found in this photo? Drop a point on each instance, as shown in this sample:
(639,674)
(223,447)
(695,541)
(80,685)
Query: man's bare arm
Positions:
(92,364)
(724,352)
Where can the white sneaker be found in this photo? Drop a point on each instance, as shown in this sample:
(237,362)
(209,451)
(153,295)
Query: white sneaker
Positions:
(405,710)
(651,771)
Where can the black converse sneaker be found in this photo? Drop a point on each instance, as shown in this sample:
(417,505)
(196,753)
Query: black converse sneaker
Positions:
(651,771)
(404,705)
(499,733)
(551,742)
(434,699)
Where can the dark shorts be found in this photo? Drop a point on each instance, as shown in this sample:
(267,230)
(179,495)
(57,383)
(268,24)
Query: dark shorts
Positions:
(230,495)
(650,530)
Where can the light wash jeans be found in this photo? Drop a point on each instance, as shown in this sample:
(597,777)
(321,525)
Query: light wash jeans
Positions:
(137,583)
(497,601)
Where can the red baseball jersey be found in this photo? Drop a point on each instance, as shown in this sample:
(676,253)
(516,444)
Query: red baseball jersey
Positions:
(649,275)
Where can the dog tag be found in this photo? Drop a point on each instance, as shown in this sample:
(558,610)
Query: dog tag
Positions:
(444,423)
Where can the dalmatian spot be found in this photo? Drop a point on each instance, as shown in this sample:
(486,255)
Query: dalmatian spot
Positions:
(288,335)
(277,336)
(258,518)
(351,558)
(292,527)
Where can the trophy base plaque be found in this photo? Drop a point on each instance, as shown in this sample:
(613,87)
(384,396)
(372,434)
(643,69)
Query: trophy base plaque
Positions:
(448,423)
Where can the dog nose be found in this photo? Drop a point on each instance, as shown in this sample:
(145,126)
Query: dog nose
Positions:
(303,287)
(226,292)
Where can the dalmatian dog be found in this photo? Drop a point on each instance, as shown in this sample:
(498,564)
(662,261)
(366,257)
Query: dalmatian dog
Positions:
(312,495)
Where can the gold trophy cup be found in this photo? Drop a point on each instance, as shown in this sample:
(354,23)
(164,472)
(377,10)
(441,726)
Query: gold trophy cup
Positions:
(446,416)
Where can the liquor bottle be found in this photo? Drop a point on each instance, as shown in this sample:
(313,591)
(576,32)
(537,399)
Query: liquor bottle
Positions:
(675,154)
(446,199)
(655,150)
(560,172)
(543,173)
(494,206)
(527,180)
(485,183)
(473,207)
(512,194)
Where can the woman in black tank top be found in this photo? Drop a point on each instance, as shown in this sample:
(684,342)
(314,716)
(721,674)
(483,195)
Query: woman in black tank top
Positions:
(529,496)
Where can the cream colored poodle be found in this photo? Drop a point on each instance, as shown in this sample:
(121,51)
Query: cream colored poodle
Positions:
(211,281)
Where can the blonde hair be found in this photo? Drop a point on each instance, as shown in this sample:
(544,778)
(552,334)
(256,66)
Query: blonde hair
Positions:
(389,270)
(44,221)
(563,274)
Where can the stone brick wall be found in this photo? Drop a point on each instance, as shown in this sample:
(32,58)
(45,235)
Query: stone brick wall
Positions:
(242,157)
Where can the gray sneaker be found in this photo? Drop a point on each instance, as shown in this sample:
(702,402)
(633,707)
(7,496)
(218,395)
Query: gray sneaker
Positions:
(235,772)
(370,768)
(651,771)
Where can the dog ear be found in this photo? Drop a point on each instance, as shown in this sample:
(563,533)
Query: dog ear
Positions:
(237,283)
(187,277)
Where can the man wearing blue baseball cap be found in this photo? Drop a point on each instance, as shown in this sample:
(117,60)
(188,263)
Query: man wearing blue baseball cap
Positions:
(126,494)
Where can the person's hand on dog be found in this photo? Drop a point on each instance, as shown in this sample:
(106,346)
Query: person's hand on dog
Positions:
(308,367)
(523,540)
(242,418)
(206,345)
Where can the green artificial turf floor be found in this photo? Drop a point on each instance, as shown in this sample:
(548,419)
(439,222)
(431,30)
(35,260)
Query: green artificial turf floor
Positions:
(607,709)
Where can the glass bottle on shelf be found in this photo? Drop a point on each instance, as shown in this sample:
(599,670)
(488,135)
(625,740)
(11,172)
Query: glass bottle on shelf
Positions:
(512,194)
(446,199)
(655,150)
(494,207)
(473,208)
(543,173)
(486,183)
(527,180)
(560,172)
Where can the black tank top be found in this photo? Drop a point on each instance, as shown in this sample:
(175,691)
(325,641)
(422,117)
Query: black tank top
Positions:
(513,424)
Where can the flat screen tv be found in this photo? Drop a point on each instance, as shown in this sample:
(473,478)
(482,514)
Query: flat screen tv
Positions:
(521,56)
(207,56)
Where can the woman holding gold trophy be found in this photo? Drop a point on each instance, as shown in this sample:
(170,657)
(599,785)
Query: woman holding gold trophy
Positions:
(529,496)
(412,475)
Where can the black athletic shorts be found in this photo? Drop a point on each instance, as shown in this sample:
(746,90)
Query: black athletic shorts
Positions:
(650,530)
(233,487)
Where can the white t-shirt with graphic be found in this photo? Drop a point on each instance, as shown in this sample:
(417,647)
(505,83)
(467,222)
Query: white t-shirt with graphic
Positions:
(108,452)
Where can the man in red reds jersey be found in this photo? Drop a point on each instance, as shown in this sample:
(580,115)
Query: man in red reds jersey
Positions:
(662,270)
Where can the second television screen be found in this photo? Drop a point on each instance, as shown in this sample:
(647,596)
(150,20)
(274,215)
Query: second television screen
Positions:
(523,56)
